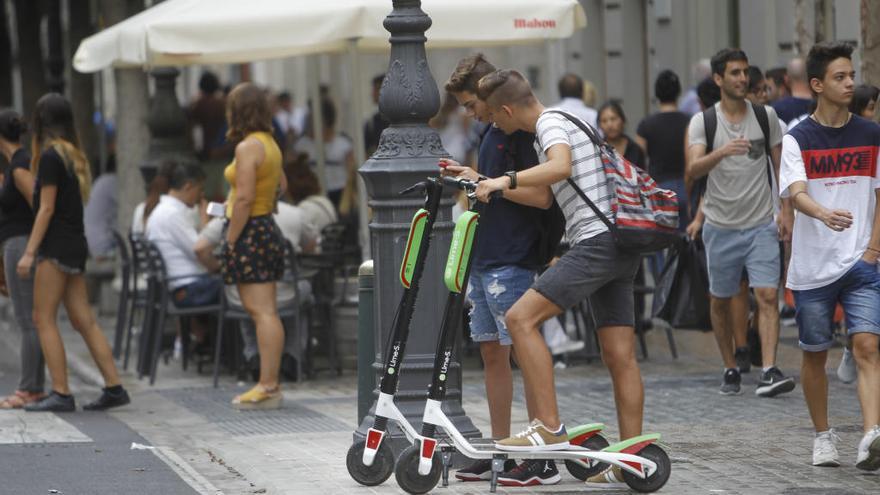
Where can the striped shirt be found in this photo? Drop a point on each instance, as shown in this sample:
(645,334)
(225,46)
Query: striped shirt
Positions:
(587,172)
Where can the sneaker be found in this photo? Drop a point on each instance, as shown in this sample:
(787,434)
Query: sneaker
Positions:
(108,400)
(557,340)
(825,449)
(731,383)
(869,450)
(742,359)
(530,473)
(481,470)
(846,371)
(53,403)
(773,383)
(535,438)
(610,479)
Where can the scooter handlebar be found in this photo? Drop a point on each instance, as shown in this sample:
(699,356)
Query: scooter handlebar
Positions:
(467,185)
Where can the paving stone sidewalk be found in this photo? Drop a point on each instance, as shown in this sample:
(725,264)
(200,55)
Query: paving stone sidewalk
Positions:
(727,445)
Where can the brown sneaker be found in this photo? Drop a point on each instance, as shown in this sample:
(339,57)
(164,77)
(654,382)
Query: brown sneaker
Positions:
(536,437)
(610,479)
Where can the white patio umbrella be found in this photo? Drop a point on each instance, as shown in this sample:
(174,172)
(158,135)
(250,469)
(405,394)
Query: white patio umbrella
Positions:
(189,32)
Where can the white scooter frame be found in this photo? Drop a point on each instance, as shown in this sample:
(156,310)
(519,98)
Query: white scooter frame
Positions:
(386,407)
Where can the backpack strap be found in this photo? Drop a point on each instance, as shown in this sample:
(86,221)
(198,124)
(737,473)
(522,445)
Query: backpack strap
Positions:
(591,133)
(764,122)
(710,125)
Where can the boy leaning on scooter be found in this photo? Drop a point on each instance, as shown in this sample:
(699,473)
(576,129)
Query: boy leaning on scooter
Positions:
(593,268)
(505,264)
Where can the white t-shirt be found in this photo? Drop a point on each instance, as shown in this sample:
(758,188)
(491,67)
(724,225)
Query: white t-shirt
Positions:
(174,235)
(841,169)
(336,153)
(579,109)
(586,170)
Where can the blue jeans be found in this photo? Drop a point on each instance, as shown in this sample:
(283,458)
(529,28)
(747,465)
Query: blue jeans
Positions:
(858,291)
(204,291)
(492,292)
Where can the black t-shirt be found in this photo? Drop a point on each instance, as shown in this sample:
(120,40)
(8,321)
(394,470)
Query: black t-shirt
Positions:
(509,232)
(65,238)
(790,107)
(633,153)
(664,134)
(16,217)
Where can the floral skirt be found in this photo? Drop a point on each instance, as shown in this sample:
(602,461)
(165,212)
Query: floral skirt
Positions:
(258,254)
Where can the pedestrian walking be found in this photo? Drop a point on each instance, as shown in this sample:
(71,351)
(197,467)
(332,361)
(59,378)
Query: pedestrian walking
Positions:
(836,245)
(739,205)
(16,221)
(56,252)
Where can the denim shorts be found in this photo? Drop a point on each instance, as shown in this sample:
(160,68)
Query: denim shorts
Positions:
(203,291)
(492,292)
(858,291)
(595,270)
(728,251)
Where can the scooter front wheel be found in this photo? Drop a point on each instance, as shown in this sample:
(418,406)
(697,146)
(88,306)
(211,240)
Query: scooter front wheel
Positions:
(407,471)
(374,474)
(661,474)
(581,472)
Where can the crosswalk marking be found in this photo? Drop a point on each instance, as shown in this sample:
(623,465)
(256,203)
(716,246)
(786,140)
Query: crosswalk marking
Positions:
(19,427)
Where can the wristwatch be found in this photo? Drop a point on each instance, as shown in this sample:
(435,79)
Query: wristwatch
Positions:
(512,175)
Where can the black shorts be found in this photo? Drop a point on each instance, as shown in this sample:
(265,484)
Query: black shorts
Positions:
(594,269)
(258,254)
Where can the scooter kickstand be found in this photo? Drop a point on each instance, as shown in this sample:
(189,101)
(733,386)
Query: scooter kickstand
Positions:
(497,467)
(446,453)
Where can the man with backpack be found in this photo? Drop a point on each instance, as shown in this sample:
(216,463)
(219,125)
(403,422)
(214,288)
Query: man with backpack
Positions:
(737,144)
(830,164)
(507,254)
(593,268)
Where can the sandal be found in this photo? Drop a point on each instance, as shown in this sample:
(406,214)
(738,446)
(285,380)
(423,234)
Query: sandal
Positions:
(20,399)
(258,398)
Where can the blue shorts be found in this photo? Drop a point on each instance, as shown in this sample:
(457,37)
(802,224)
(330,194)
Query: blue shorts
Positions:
(204,291)
(858,291)
(492,292)
(728,251)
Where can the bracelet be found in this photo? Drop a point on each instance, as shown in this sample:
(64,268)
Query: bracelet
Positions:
(873,249)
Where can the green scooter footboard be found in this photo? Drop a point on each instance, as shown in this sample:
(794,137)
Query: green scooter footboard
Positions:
(460,250)
(413,245)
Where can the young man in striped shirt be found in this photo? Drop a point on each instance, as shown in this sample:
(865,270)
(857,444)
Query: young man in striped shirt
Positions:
(593,267)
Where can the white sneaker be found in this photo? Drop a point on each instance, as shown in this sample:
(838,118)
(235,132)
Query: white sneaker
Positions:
(869,450)
(846,371)
(825,449)
(557,340)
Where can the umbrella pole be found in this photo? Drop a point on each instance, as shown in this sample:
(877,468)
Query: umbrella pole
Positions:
(359,150)
(314,76)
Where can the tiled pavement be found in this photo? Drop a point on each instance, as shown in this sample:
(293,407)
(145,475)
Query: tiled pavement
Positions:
(728,445)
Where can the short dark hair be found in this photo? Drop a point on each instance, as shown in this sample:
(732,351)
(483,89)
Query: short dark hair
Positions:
(863,94)
(755,76)
(823,54)
(12,125)
(719,60)
(667,87)
(504,87)
(614,106)
(571,86)
(209,83)
(328,112)
(777,74)
(708,92)
(284,96)
(468,73)
(182,174)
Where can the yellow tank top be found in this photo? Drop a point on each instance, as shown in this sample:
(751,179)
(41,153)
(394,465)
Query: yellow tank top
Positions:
(268,178)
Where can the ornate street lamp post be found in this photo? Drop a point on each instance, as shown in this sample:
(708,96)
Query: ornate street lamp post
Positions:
(408,152)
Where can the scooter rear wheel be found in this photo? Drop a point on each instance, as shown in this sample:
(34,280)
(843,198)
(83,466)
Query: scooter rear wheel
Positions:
(595,442)
(375,474)
(407,471)
(656,481)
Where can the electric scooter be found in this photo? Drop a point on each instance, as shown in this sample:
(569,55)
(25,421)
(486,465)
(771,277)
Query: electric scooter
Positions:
(370,461)
(646,466)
